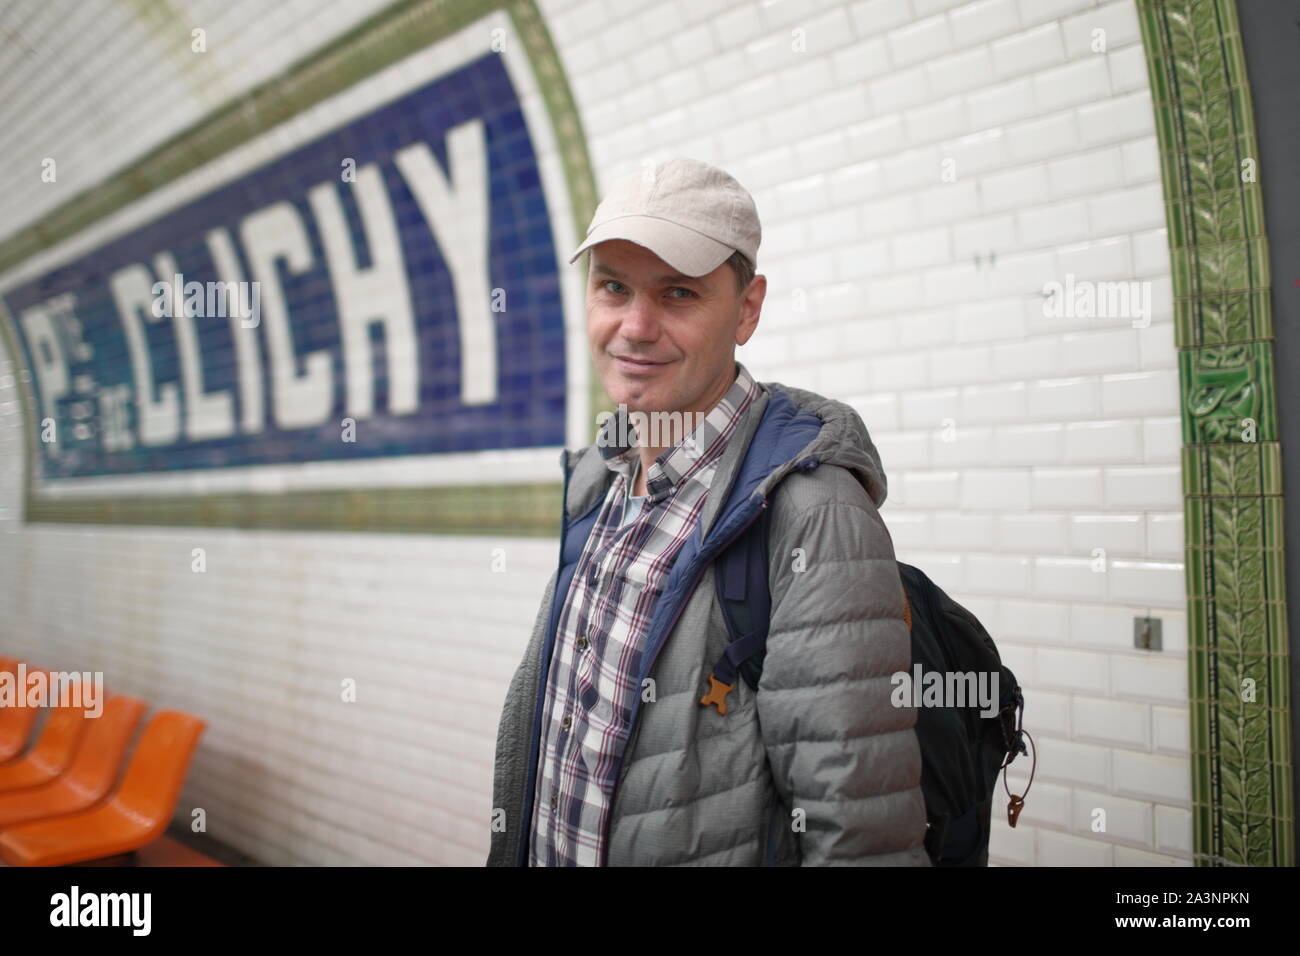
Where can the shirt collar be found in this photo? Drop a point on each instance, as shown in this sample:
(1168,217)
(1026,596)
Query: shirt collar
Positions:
(700,445)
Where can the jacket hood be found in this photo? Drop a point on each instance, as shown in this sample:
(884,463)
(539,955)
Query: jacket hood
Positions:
(842,440)
(784,428)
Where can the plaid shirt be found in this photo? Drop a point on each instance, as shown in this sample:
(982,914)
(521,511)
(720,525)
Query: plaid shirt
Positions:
(602,629)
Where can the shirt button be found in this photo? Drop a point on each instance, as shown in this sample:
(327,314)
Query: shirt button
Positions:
(555,803)
(582,643)
(568,721)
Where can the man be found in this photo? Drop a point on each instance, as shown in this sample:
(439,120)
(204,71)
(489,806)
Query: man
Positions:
(607,751)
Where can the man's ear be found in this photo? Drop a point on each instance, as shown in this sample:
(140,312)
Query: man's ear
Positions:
(751,307)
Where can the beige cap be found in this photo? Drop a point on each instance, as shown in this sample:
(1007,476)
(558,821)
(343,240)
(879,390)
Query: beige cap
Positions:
(691,215)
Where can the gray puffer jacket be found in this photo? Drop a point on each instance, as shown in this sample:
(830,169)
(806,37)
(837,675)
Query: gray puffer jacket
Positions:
(820,735)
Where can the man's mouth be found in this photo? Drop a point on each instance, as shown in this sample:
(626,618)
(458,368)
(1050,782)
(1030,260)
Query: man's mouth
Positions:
(636,364)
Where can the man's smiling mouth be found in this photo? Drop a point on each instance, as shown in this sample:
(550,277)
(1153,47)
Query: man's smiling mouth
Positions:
(637,365)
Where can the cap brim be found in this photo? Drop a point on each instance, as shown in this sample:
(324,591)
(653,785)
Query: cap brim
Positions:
(689,252)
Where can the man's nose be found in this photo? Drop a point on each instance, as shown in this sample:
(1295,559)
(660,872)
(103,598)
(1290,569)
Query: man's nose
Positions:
(641,319)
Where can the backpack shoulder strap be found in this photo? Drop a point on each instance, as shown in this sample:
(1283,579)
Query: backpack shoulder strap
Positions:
(740,579)
(744,595)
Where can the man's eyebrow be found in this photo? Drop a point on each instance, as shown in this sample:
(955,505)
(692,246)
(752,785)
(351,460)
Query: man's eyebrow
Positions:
(603,269)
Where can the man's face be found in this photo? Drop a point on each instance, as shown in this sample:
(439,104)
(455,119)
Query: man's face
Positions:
(639,307)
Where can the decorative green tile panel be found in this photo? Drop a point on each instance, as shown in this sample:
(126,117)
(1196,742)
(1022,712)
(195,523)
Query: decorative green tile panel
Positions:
(1238,661)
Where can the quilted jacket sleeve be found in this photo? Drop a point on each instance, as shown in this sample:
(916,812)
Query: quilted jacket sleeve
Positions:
(510,783)
(838,749)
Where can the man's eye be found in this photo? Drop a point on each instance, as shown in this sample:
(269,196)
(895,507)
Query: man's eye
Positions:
(689,293)
(609,282)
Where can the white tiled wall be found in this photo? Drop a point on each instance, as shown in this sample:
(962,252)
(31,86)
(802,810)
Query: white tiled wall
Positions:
(1016,445)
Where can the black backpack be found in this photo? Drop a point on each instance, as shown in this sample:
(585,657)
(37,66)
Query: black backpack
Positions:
(962,751)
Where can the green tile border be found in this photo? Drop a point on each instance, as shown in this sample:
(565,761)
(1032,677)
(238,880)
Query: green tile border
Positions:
(1242,800)
(393,33)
